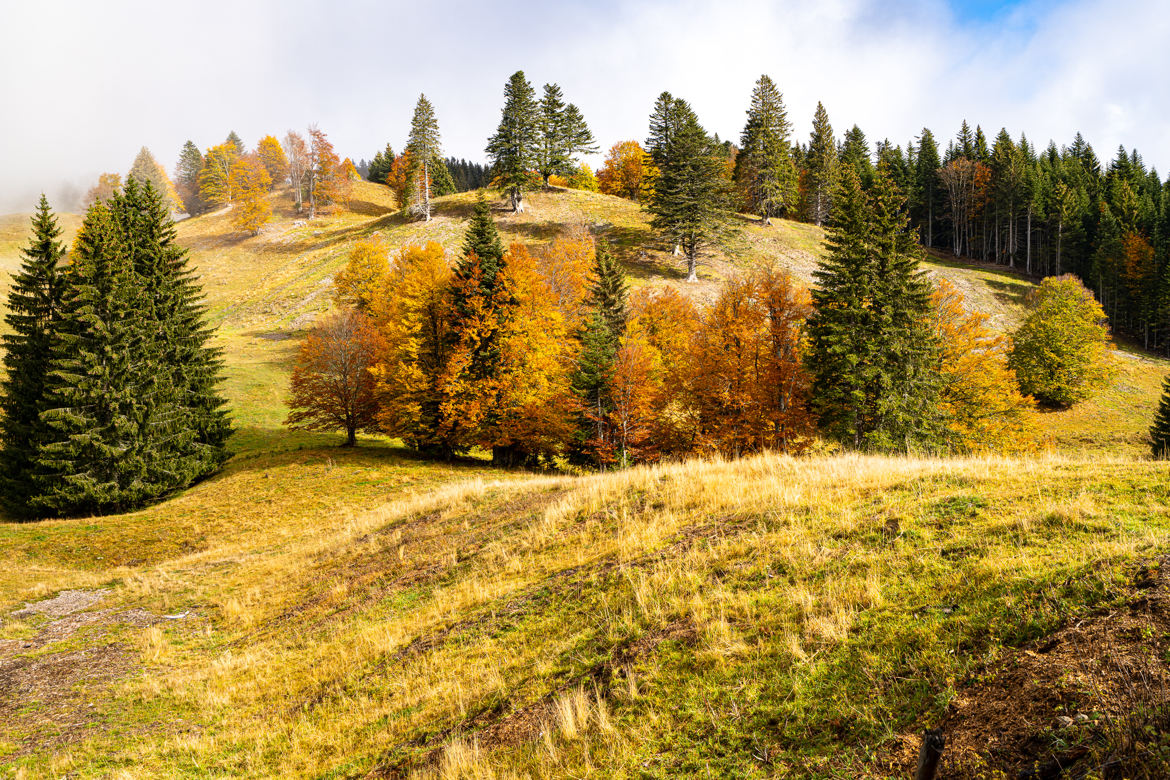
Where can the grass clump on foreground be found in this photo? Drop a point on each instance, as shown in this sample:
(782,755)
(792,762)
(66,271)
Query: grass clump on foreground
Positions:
(754,618)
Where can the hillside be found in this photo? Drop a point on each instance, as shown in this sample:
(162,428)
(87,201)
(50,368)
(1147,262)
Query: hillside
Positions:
(318,612)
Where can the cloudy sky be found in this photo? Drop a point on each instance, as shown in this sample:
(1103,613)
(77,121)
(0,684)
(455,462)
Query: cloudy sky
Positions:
(84,84)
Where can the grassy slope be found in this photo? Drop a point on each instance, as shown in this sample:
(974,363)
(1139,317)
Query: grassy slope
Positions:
(395,613)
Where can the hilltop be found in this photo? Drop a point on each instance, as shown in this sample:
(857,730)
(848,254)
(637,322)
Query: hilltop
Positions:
(318,612)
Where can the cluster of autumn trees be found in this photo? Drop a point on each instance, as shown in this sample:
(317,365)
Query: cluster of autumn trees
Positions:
(1046,212)
(544,355)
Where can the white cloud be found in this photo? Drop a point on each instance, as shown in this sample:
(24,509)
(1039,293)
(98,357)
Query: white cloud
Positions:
(85,84)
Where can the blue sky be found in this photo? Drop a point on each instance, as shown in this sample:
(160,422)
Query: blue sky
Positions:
(86,84)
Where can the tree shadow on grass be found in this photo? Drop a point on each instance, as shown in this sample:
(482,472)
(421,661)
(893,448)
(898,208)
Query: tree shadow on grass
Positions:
(1008,292)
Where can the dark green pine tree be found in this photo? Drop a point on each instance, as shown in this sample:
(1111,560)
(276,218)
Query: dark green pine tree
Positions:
(234,139)
(90,459)
(192,414)
(1160,430)
(928,194)
(855,154)
(381,164)
(871,356)
(34,310)
(690,201)
(514,147)
(553,156)
(426,158)
(821,167)
(132,410)
(187,178)
(600,340)
(763,167)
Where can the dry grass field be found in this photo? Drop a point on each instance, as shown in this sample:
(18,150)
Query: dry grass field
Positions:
(320,612)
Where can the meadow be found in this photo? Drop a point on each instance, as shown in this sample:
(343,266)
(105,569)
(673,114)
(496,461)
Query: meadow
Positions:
(315,611)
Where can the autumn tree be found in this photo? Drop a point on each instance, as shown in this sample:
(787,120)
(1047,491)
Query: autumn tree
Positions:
(567,263)
(364,277)
(296,151)
(398,179)
(249,184)
(623,171)
(328,185)
(413,312)
(513,149)
(1060,352)
(107,186)
(274,159)
(982,406)
(750,386)
(187,178)
(145,168)
(763,167)
(332,385)
(215,180)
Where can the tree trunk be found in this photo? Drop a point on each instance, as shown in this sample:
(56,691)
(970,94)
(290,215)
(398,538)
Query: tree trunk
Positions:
(677,250)
(692,268)
(350,437)
(1029,239)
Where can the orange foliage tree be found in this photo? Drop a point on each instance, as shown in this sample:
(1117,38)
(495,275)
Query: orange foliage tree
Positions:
(329,185)
(413,312)
(364,277)
(981,400)
(249,184)
(750,386)
(399,178)
(567,263)
(332,386)
(624,170)
(275,161)
(666,321)
(107,185)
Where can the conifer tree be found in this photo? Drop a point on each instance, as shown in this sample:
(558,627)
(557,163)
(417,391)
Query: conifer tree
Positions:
(1160,430)
(821,167)
(562,134)
(132,411)
(34,312)
(689,201)
(873,360)
(855,153)
(928,192)
(146,169)
(187,178)
(514,147)
(763,167)
(234,139)
(380,165)
(426,158)
(610,291)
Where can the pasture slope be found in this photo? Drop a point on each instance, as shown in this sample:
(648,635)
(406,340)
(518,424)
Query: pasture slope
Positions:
(320,612)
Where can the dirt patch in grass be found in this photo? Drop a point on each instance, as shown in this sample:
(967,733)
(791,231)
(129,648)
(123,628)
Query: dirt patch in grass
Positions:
(1091,699)
(51,699)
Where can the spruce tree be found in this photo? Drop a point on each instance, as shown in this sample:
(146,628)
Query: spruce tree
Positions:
(763,167)
(855,153)
(145,168)
(34,311)
(821,167)
(553,156)
(426,158)
(873,360)
(235,141)
(187,178)
(929,202)
(513,148)
(689,200)
(381,164)
(1160,430)
(610,292)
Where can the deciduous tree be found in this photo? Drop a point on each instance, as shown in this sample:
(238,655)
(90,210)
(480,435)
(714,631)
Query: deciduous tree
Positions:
(332,385)
(623,171)
(249,183)
(215,180)
(274,159)
(364,277)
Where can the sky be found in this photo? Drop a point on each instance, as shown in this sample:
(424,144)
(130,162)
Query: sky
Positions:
(85,84)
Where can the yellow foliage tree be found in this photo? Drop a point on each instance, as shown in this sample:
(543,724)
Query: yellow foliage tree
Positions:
(413,312)
(364,277)
(215,180)
(567,265)
(275,161)
(982,404)
(624,170)
(249,184)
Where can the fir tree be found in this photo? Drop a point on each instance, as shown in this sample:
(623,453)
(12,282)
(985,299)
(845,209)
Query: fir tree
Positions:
(689,201)
(187,178)
(821,167)
(928,193)
(1160,430)
(873,360)
(610,292)
(425,158)
(381,164)
(763,167)
(553,157)
(514,147)
(235,141)
(34,310)
(146,169)
(855,153)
